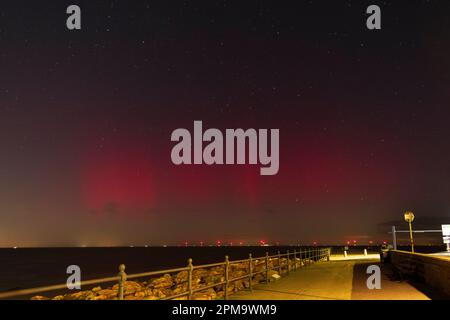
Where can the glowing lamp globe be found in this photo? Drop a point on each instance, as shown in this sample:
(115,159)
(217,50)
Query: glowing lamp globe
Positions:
(409,216)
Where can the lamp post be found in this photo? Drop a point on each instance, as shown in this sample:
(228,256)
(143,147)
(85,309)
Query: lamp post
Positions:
(409,217)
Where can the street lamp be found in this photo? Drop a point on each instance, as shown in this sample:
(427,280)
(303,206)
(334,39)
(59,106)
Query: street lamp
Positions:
(409,217)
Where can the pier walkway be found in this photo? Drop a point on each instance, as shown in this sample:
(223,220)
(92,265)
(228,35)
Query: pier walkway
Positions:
(339,279)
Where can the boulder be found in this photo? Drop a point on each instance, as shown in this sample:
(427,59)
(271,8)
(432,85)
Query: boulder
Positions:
(209,294)
(40,298)
(129,287)
(108,293)
(181,277)
(162,282)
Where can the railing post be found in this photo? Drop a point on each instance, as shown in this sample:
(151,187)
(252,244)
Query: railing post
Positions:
(191,268)
(328,254)
(267,267)
(288,267)
(394,238)
(250,271)
(227,268)
(295,260)
(122,278)
(279,263)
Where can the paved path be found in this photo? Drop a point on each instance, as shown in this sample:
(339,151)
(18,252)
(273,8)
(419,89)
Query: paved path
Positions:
(337,280)
(326,280)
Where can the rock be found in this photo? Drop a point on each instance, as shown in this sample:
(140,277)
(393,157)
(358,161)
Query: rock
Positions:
(108,293)
(129,287)
(209,294)
(237,285)
(180,288)
(60,297)
(214,279)
(181,277)
(162,282)
(40,298)
(140,294)
(161,293)
(219,294)
(81,295)
(259,278)
(96,289)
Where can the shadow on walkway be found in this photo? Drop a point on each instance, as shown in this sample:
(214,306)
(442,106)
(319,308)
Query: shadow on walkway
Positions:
(392,288)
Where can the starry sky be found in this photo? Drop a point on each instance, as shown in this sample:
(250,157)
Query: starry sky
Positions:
(86,118)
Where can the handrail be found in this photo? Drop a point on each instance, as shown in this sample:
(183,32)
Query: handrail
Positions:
(309,254)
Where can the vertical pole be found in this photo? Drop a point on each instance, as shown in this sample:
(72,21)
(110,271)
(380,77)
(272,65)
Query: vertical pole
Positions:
(394,238)
(279,263)
(250,271)
(288,266)
(122,278)
(191,268)
(267,267)
(227,268)
(295,260)
(411,236)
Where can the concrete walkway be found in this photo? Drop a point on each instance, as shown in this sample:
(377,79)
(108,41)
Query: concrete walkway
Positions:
(325,280)
(336,280)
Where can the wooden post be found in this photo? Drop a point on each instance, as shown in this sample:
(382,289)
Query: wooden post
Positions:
(250,271)
(191,268)
(227,268)
(267,267)
(122,278)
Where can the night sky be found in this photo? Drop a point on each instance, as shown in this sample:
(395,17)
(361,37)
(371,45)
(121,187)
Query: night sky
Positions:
(86,118)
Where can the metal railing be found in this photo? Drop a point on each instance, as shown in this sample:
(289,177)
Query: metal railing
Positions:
(286,262)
